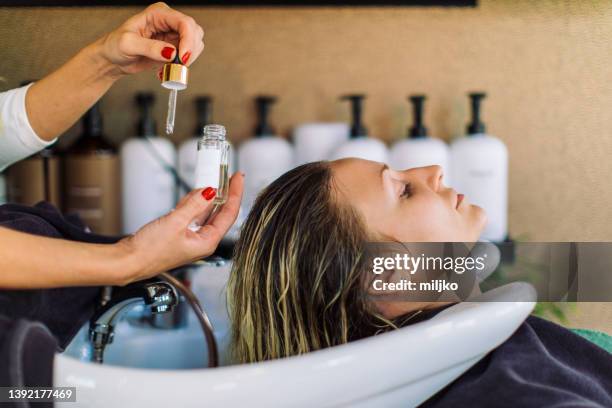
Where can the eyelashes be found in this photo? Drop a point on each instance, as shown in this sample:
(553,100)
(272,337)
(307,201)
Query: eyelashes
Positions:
(407,191)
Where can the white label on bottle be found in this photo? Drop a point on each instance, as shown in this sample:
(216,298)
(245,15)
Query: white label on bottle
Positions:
(208,168)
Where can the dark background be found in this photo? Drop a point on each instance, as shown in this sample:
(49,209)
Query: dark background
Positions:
(302,3)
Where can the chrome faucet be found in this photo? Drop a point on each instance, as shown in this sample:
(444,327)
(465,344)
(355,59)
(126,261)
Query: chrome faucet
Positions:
(157,296)
(175,319)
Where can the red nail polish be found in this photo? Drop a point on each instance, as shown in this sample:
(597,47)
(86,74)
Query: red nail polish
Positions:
(159,74)
(186,57)
(167,52)
(209,193)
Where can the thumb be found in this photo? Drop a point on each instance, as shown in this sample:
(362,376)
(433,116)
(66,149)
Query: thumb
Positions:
(197,206)
(134,45)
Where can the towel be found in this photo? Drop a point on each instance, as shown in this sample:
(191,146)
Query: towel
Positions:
(603,340)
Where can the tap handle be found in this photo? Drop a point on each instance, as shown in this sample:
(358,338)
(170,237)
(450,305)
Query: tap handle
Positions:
(161,297)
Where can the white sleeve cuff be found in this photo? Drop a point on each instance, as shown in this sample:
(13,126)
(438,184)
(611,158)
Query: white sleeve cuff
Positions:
(17,138)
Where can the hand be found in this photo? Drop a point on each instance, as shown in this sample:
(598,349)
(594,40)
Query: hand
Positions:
(150,38)
(167,242)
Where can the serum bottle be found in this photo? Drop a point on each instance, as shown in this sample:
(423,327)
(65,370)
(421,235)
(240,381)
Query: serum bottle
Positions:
(212,165)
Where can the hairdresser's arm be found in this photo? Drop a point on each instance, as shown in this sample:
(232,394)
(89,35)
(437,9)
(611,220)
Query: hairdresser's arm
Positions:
(29,261)
(143,42)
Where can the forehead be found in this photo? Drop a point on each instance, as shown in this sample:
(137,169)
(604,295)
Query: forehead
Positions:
(355,176)
(358,183)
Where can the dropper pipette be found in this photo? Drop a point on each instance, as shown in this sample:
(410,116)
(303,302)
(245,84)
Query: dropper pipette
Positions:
(174,78)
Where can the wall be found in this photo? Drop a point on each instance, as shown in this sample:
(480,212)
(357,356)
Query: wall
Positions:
(546,67)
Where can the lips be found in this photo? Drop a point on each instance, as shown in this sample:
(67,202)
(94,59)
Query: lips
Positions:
(459,200)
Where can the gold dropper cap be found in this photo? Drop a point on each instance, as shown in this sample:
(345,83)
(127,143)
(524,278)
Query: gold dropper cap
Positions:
(175,76)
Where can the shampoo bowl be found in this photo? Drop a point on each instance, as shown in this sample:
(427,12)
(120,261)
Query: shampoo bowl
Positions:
(400,368)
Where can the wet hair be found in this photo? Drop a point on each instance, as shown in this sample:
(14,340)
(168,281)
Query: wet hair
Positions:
(296,283)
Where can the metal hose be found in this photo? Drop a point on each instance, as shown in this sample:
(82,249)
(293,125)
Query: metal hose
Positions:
(213,354)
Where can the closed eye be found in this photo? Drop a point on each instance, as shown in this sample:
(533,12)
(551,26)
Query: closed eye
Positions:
(407,191)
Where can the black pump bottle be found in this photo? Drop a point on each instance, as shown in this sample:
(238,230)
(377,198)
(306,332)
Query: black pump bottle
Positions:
(476,126)
(92,179)
(360,145)
(263,105)
(146,124)
(203,105)
(357,127)
(417,130)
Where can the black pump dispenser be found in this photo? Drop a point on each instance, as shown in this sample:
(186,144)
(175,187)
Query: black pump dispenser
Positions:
(92,139)
(418,129)
(92,122)
(357,127)
(476,126)
(263,104)
(203,113)
(146,124)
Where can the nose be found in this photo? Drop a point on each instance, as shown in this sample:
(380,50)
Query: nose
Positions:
(431,175)
(435,175)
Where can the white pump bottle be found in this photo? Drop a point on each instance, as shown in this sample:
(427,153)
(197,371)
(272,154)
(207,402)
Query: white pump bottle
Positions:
(147,162)
(263,158)
(360,145)
(316,141)
(420,149)
(479,166)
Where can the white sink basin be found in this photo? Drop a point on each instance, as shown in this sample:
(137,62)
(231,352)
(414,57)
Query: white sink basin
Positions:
(151,367)
(143,347)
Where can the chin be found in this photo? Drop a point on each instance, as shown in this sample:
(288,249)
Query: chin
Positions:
(476,221)
(480,217)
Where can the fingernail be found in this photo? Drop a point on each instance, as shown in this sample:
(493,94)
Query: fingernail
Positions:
(159,74)
(167,52)
(209,193)
(186,57)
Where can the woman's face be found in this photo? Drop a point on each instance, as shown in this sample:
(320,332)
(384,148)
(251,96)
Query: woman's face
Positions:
(407,205)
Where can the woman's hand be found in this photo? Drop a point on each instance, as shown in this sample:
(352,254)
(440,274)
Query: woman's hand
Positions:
(147,40)
(167,242)
(150,38)
(28,261)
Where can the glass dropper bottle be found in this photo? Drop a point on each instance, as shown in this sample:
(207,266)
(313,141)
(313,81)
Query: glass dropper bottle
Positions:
(212,168)
(174,78)
(213,162)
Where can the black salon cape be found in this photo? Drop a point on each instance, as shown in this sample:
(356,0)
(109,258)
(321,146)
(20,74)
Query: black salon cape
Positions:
(34,324)
(540,365)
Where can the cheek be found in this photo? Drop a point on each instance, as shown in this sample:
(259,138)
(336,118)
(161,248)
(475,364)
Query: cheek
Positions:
(424,220)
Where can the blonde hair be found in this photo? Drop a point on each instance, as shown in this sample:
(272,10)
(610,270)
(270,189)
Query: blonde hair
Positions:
(296,283)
